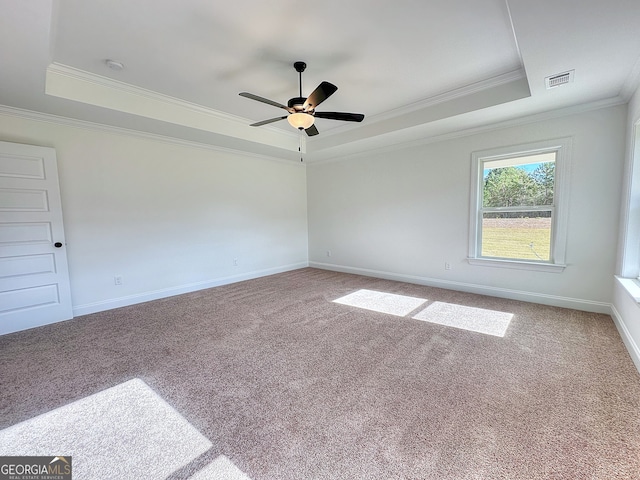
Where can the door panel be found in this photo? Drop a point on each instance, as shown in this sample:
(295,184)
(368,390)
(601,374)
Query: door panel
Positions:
(34,277)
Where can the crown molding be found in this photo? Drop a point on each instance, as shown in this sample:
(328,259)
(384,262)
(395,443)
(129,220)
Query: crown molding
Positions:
(432,101)
(71,72)
(78,85)
(632,83)
(494,126)
(87,125)
(451,95)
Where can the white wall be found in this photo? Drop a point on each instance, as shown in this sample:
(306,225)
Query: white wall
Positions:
(167,217)
(627,318)
(626,309)
(403,214)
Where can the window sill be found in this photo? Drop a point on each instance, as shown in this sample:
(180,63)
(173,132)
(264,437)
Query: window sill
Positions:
(632,286)
(517,264)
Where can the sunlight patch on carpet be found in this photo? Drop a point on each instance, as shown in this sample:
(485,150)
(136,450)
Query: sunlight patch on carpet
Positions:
(489,322)
(220,469)
(383,302)
(126,431)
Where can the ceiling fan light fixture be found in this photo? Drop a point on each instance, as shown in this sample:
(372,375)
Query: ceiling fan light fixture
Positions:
(300,120)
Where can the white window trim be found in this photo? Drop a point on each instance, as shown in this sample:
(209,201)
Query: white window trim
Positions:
(562,147)
(629,258)
(632,287)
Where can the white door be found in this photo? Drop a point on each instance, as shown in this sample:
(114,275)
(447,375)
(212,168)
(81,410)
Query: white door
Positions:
(34,278)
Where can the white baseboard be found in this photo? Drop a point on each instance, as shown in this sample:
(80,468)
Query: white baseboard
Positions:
(632,346)
(545,299)
(109,304)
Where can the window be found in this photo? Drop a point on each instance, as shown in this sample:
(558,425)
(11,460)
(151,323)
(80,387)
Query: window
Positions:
(518,206)
(630,252)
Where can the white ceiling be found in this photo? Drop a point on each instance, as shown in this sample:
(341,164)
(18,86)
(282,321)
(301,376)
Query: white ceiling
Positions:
(415,68)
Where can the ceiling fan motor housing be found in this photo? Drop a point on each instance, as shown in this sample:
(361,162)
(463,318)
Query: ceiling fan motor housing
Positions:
(296,103)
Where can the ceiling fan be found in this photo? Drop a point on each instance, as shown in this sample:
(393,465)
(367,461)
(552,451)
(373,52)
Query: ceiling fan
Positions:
(302,111)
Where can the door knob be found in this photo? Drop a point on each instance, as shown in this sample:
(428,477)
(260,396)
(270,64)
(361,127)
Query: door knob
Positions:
(57,244)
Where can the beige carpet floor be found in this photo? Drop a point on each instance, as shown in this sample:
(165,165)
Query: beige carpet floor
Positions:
(285,382)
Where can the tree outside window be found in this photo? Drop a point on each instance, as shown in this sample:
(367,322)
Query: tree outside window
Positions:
(517,208)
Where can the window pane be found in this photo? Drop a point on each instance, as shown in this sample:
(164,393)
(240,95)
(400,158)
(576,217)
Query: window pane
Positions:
(517,235)
(513,183)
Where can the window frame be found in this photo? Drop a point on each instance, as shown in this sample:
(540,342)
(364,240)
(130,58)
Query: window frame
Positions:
(562,149)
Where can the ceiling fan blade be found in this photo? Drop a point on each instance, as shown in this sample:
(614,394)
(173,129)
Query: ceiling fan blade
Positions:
(319,95)
(312,131)
(265,100)
(271,120)
(345,117)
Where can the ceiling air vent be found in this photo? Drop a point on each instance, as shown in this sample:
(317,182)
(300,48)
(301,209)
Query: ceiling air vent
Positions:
(560,79)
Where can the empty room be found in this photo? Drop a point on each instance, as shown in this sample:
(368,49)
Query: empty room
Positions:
(351,240)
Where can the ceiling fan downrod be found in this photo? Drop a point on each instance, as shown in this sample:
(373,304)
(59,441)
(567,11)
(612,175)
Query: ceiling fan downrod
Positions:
(300,67)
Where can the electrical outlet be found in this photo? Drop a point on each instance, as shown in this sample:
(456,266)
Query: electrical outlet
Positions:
(235,262)
(117,280)
(447,266)
(328,253)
